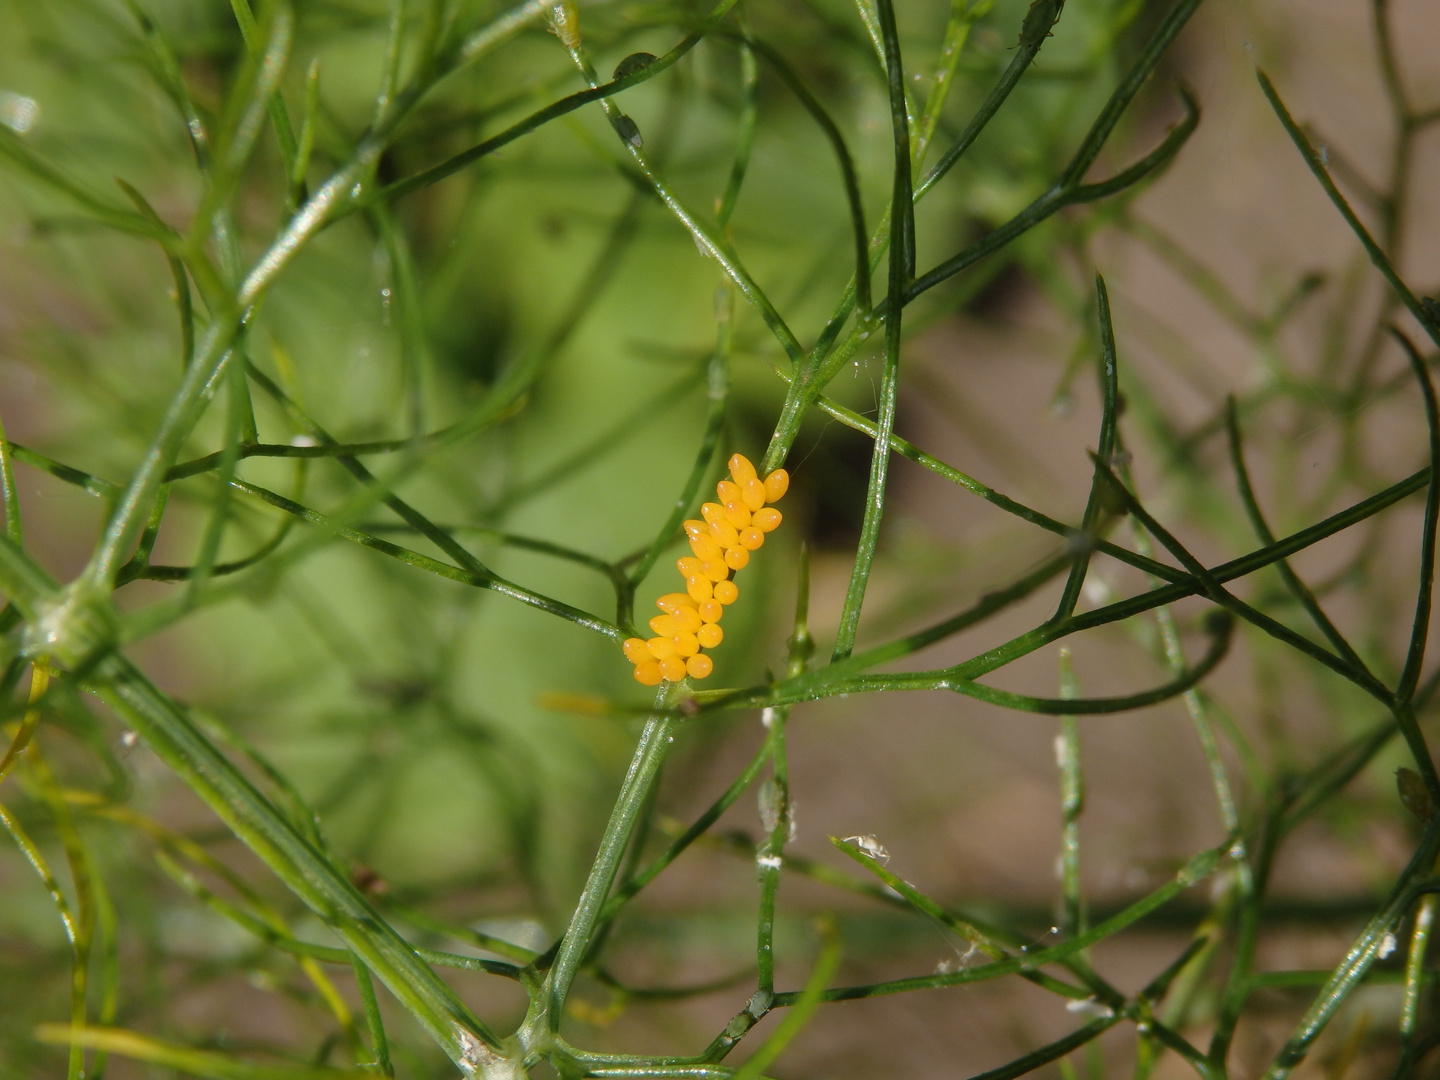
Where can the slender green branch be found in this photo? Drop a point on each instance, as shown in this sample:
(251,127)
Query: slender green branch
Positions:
(540,117)
(650,754)
(1298,588)
(479,579)
(1415,654)
(306,872)
(1095,508)
(902,271)
(1197,869)
(1423,316)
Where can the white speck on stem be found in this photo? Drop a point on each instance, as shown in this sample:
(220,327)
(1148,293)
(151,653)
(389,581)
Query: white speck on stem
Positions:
(769,803)
(18,112)
(1089,1006)
(471,1051)
(1388,945)
(769,862)
(478,1059)
(304,440)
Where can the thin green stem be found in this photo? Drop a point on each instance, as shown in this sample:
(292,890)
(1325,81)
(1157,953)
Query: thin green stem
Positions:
(1377,255)
(902,270)
(650,754)
(1197,869)
(1424,593)
(1072,804)
(379,1043)
(9,497)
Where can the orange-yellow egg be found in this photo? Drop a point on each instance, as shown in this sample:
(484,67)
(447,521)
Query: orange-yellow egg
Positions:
(715,569)
(699,666)
(711,610)
(704,547)
(776,484)
(688,619)
(752,493)
(724,534)
(686,645)
(690,566)
(710,635)
(713,512)
(700,588)
(636,651)
(727,491)
(741,469)
(672,668)
(752,539)
(696,529)
(675,603)
(767,520)
(648,673)
(665,625)
(736,558)
(726,592)
(660,647)
(738,514)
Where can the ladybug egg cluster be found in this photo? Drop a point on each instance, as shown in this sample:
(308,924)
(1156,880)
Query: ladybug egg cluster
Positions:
(721,544)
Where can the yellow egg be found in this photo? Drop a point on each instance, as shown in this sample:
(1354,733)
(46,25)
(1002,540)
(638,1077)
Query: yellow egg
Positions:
(776,484)
(752,539)
(736,558)
(699,666)
(741,469)
(737,514)
(686,644)
(724,534)
(767,520)
(711,610)
(727,491)
(688,619)
(700,588)
(710,635)
(660,647)
(689,566)
(648,673)
(716,569)
(713,512)
(665,625)
(675,603)
(726,592)
(752,494)
(704,547)
(636,651)
(672,668)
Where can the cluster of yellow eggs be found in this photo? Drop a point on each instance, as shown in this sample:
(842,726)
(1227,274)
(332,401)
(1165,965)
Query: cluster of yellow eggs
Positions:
(690,621)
